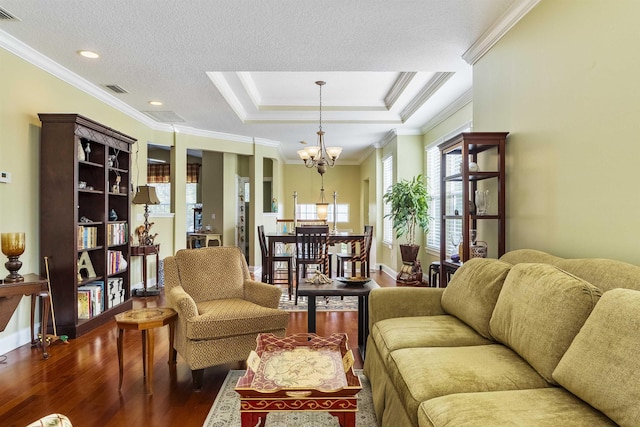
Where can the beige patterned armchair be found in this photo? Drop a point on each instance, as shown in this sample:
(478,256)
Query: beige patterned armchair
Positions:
(220,309)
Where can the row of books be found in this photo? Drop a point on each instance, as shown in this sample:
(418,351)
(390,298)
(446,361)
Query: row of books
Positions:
(117,234)
(90,299)
(87,237)
(116,262)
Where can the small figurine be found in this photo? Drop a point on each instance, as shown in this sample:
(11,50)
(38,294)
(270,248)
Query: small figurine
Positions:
(274,205)
(87,150)
(113,216)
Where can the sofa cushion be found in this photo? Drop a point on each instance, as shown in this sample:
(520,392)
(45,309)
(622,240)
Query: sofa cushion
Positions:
(602,365)
(231,317)
(539,311)
(419,374)
(200,268)
(546,407)
(423,331)
(473,290)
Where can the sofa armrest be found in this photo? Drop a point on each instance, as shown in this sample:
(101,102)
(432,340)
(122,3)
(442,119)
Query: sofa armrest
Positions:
(182,302)
(387,303)
(262,294)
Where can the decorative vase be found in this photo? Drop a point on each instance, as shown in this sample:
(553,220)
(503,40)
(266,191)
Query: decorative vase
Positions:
(13,247)
(482,201)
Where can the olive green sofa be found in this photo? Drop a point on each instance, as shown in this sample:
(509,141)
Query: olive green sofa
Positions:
(528,340)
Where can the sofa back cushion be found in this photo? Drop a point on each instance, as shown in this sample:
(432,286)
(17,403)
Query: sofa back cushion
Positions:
(539,311)
(212,273)
(473,291)
(602,365)
(603,273)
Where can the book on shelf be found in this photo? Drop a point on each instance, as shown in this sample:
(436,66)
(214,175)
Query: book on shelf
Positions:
(117,234)
(87,237)
(116,262)
(84,304)
(95,297)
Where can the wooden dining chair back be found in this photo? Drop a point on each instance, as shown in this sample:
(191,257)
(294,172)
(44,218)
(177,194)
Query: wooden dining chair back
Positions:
(312,248)
(362,256)
(271,262)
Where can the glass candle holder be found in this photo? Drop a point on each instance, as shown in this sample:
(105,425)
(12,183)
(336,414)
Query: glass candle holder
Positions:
(13,247)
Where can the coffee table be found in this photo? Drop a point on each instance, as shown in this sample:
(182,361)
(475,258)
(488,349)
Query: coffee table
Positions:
(338,288)
(302,372)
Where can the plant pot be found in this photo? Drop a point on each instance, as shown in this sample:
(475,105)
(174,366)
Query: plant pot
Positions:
(409,253)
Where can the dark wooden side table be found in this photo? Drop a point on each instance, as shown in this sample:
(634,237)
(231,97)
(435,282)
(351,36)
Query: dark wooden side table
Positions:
(10,296)
(337,288)
(144,251)
(145,320)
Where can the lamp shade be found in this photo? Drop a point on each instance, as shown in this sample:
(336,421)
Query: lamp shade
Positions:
(146,195)
(322,210)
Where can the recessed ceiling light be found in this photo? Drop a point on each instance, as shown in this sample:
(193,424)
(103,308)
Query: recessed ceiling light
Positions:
(88,54)
(155,103)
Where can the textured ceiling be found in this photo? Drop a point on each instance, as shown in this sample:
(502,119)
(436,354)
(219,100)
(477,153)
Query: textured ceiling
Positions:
(248,68)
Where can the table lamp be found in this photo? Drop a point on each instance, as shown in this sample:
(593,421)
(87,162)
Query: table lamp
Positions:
(13,247)
(146,195)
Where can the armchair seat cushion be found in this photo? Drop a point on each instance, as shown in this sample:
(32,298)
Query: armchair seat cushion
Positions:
(231,317)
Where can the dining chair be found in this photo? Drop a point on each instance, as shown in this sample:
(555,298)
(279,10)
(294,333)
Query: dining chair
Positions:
(270,262)
(312,248)
(353,257)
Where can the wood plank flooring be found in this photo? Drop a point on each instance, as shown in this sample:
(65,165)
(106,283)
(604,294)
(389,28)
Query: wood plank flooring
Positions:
(80,379)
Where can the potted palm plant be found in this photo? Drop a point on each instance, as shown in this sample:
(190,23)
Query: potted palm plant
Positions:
(409,201)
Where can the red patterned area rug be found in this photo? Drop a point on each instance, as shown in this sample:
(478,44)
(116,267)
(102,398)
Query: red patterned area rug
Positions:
(225,411)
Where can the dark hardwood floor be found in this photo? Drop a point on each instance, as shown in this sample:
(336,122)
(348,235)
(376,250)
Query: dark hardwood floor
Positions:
(80,378)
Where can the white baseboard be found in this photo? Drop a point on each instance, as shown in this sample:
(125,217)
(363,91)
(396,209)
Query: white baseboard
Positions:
(16,339)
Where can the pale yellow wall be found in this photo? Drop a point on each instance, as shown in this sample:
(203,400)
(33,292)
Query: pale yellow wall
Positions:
(343,179)
(564,82)
(370,173)
(212,191)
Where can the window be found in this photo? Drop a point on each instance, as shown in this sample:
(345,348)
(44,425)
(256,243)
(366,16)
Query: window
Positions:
(387,181)
(163,190)
(308,211)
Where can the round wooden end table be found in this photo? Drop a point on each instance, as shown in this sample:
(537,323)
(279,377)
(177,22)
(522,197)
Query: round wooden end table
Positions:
(146,320)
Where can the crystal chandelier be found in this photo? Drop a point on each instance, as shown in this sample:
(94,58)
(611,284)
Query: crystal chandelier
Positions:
(320,156)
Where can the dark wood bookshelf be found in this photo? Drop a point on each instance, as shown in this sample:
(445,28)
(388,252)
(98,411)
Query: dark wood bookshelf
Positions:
(64,206)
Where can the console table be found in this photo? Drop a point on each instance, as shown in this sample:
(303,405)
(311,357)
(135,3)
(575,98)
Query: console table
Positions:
(144,251)
(10,296)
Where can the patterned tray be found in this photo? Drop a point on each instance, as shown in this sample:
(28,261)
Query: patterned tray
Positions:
(299,363)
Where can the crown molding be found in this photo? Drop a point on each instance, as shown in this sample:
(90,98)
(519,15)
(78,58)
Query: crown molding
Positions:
(448,111)
(266,142)
(387,138)
(399,86)
(27,53)
(426,92)
(227,92)
(499,28)
(213,134)
(43,62)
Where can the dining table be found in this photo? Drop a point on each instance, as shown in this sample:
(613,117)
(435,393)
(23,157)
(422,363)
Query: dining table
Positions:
(356,240)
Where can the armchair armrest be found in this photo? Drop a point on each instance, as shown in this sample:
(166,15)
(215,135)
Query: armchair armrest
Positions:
(387,303)
(182,302)
(262,294)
